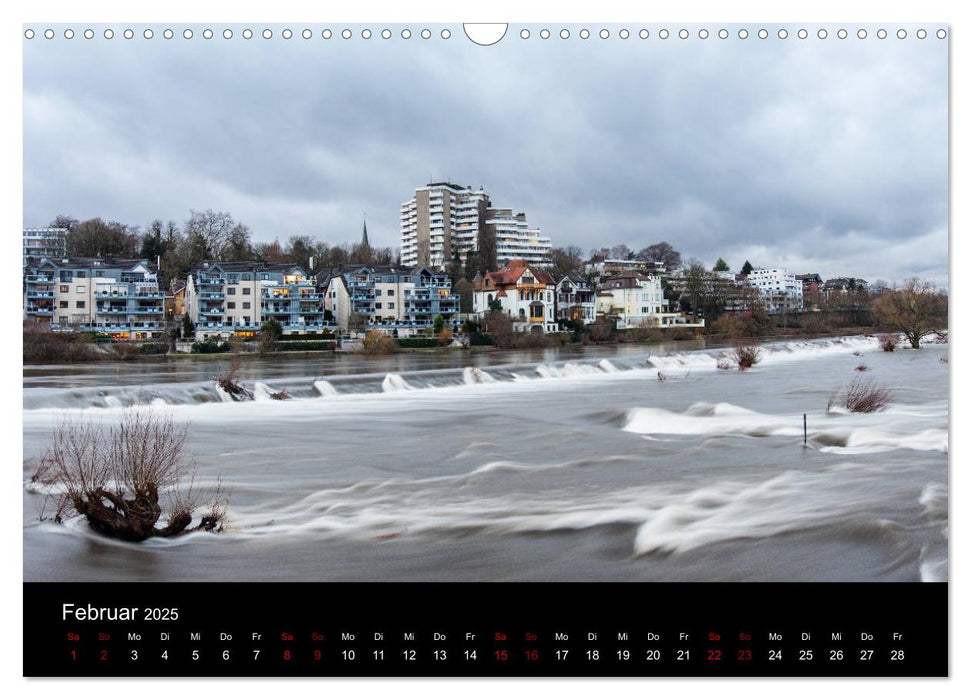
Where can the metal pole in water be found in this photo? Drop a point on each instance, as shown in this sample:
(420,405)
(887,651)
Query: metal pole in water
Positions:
(805,434)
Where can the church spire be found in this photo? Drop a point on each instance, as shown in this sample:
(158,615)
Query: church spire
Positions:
(364,240)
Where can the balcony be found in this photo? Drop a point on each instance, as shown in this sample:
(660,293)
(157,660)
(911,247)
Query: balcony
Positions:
(40,310)
(215,296)
(39,278)
(40,295)
(147,310)
(211,281)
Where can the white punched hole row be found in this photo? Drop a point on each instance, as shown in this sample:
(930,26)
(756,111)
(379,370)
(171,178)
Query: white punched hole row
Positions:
(386,33)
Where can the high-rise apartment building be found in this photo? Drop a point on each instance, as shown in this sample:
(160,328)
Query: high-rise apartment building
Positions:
(444,221)
(441,221)
(515,240)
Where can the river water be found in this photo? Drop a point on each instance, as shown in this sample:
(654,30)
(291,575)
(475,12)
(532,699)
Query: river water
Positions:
(575,464)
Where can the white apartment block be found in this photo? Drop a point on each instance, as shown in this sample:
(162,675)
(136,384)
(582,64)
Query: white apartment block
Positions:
(779,288)
(515,240)
(442,220)
(48,243)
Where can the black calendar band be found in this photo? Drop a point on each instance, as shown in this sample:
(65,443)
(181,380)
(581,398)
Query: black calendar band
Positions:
(485,629)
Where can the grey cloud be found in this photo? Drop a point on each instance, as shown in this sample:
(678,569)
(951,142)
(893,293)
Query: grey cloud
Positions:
(823,156)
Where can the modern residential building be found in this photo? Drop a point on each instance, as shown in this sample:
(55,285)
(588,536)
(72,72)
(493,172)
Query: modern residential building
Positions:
(405,301)
(515,240)
(779,288)
(523,291)
(444,221)
(638,301)
(41,243)
(236,298)
(441,221)
(575,299)
(120,298)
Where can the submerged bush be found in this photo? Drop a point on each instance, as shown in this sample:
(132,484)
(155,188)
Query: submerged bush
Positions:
(227,381)
(888,341)
(745,355)
(115,477)
(861,396)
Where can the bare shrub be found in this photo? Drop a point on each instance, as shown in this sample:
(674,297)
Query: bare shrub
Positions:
(857,353)
(281,395)
(862,368)
(861,396)
(661,376)
(888,341)
(724,363)
(745,355)
(44,345)
(227,381)
(114,477)
(377,343)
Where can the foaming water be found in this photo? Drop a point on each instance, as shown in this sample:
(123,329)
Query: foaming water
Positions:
(549,465)
(674,365)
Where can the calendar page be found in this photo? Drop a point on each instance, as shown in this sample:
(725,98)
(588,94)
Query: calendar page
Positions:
(421,349)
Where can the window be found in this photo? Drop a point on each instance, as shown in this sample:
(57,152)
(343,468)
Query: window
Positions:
(80,304)
(377,292)
(246,290)
(80,289)
(230,304)
(246,320)
(62,304)
(81,274)
(246,305)
(62,319)
(65,289)
(231,290)
(390,304)
(377,305)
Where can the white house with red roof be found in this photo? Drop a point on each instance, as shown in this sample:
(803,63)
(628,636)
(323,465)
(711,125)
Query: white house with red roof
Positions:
(522,291)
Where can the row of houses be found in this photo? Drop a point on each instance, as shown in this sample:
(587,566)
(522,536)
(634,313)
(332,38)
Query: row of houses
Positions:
(122,298)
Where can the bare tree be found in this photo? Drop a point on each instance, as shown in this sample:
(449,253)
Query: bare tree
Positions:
(662,252)
(115,476)
(916,310)
(97,238)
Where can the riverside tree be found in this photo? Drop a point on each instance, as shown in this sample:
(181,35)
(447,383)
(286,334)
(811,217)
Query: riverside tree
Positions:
(916,310)
(125,478)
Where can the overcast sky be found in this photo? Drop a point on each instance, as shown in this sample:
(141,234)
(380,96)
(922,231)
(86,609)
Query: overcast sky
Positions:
(824,156)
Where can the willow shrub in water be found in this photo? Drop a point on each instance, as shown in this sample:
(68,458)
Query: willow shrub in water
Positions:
(115,477)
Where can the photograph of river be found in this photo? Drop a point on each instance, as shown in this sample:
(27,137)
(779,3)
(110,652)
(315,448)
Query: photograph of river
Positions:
(573,464)
(580,302)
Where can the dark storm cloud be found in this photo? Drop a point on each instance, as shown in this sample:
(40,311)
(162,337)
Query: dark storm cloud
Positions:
(826,156)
